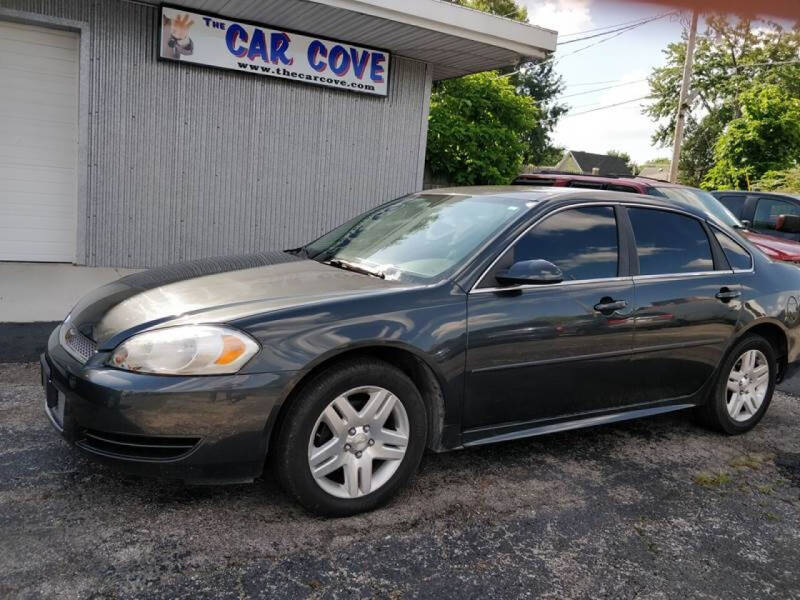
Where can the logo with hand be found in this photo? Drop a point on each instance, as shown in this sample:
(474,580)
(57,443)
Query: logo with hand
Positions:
(175,36)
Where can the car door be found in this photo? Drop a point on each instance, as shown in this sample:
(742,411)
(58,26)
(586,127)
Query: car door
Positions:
(686,303)
(767,212)
(541,351)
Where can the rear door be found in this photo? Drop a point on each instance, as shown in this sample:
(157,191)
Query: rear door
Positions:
(687,303)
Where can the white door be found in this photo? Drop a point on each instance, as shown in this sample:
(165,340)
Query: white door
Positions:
(38,143)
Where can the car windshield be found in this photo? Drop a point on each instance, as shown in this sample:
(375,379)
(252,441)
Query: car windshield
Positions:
(702,200)
(416,238)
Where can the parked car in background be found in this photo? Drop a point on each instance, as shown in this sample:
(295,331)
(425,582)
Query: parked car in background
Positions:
(441,320)
(777,248)
(760,211)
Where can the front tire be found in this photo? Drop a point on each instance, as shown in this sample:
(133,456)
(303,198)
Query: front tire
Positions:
(744,387)
(352,438)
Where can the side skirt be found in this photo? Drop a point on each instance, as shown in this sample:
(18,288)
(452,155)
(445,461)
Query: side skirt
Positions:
(484,435)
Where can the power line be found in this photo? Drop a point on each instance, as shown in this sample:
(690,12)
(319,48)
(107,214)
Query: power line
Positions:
(610,87)
(635,25)
(585,112)
(614,26)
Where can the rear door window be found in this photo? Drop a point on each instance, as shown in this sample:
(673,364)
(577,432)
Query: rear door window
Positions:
(734,203)
(768,210)
(669,243)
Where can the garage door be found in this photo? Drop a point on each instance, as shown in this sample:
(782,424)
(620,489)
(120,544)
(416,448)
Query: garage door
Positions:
(38,143)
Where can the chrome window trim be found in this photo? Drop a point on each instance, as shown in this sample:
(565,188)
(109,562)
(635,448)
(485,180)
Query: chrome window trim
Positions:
(549,286)
(476,289)
(683,275)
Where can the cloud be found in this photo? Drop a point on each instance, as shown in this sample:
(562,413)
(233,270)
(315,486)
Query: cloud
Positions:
(565,16)
(622,128)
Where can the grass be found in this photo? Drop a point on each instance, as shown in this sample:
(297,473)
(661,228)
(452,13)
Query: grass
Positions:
(712,480)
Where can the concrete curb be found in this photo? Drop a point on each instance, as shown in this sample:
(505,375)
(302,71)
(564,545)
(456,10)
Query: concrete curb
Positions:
(23,342)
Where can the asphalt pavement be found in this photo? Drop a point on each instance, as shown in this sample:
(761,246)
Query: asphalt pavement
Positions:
(657,508)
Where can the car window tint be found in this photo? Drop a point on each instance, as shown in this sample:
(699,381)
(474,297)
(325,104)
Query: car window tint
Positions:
(738,257)
(768,210)
(669,243)
(588,185)
(735,204)
(621,188)
(582,242)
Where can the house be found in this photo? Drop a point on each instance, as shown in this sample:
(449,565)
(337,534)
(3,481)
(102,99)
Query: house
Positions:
(576,161)
(137,134)
(660,172)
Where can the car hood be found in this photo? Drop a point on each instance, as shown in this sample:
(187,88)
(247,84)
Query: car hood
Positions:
(775,247)
(213,291)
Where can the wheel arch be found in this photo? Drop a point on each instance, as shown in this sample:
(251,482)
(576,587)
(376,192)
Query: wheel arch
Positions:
(774,332)
(427,380)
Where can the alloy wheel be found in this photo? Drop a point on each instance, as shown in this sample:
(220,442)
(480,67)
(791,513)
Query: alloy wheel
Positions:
(748,383)
(358,442)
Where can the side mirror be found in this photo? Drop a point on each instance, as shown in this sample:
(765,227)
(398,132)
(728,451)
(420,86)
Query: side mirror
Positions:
(747,224)
(530,271)
(788,223)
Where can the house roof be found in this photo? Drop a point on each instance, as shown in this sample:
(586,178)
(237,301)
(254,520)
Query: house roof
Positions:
(605,164)
(453,39)
(655,172)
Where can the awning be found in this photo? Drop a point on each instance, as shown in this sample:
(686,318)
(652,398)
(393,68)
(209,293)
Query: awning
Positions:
(453,39)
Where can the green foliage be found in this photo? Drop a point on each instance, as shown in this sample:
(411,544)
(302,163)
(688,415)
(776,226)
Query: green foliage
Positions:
(766,137)
(627,158)
(504,8)
(729,58)
(540,82)
(477,129)
(787,180)
(536,80)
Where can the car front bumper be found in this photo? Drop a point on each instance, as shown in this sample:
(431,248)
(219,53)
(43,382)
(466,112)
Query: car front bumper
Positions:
(210,429)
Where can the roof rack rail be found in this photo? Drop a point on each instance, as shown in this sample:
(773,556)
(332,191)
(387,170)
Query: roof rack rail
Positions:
(652,178)
(573,173)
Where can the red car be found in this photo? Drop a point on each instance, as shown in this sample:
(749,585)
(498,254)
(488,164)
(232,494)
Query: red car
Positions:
(774,247)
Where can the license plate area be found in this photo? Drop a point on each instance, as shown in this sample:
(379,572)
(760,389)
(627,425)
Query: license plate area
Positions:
(56,401)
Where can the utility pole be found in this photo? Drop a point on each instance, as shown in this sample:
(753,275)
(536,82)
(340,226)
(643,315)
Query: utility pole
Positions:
(687,78)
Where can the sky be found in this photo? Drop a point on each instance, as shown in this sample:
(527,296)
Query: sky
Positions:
(624,61)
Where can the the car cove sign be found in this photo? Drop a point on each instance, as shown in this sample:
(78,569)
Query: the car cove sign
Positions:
(214,41)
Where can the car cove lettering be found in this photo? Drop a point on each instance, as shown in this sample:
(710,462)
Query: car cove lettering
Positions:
(258,49)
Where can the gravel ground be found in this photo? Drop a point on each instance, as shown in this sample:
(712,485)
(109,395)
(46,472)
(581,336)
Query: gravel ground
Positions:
(656,508)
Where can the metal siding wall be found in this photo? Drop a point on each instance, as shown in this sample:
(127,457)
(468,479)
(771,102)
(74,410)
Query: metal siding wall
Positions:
(186,162)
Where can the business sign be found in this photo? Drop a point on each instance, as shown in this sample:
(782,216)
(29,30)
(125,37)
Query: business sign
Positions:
(204,39)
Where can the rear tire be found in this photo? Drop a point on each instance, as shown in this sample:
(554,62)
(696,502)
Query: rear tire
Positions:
(352,438)
(743,389)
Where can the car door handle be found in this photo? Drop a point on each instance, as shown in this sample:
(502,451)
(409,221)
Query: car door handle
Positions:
(726,294)
(609,305)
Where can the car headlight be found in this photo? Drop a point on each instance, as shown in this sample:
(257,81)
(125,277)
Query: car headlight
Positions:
(185,350)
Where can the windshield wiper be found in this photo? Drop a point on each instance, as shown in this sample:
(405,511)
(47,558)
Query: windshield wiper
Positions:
(349,266)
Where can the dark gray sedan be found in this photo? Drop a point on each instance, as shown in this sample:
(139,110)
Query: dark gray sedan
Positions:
(440,320)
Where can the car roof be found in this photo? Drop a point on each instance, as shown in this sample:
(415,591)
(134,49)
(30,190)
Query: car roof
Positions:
(635,180)
(717,193)
(543,196)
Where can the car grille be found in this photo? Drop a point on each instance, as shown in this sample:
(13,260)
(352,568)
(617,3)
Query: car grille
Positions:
(78,345)
(136,447)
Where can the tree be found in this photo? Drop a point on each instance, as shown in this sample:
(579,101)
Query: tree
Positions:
(504,8)
(729,58)
(540,82)
(537,80)
(787,180)
(766,137)
(477,127)
(632,166)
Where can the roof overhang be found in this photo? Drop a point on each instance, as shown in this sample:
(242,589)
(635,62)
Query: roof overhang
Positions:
(453,39)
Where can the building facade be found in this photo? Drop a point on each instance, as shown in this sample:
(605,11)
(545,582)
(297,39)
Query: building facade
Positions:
(112,157)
